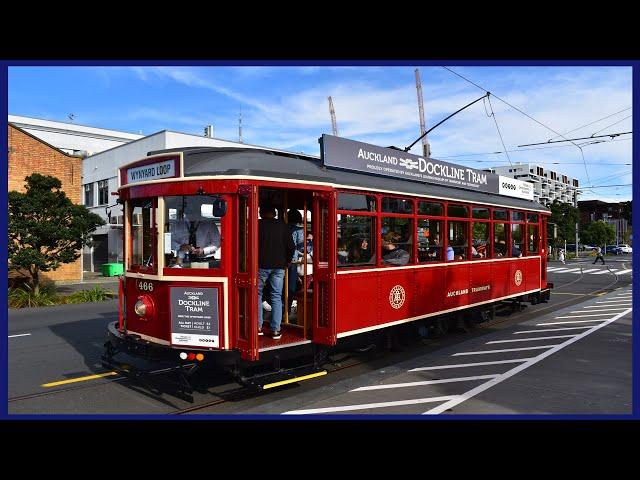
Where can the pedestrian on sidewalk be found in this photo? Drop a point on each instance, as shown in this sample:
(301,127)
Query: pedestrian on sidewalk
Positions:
(561,256)
(599,256)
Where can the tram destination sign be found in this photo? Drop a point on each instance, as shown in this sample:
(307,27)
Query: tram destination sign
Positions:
(363,157)
(152,171)
(194,317)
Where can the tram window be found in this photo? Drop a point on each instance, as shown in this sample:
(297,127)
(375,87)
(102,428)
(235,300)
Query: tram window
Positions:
(396,205)
(517,216)
(532,246)
(356,202)
(397,240)
(480,242)
(429,240)
(430,208)
(457,211)
(356,240)
(499,239)
(482,213)
(458,241)
(517,245)
(191,232)
(500,215)
(142,234)
(532,217)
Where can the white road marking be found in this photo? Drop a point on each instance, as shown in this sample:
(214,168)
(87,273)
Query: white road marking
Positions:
(581,316)
(551,330)
(558,270)
(572,321)
(485,386)
(366,406)
(530,339)
(622,272)
(602,309)
(425,382)
(21,335)
(605,271)
(591,270)
(553,269)
(622,301)
(463,365)
(500,351)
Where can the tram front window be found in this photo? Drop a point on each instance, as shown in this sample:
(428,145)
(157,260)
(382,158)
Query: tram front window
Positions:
(142,228)
(191,232)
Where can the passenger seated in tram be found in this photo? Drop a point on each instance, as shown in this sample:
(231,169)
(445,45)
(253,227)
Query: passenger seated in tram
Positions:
(501,248)
(391,253)
(343,253)
(359,252)
(515,251)
(479,252)
(195,237)
(434,251)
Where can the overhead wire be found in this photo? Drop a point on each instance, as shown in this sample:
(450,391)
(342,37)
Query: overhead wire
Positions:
(586,170)
(593,134)
(493,114)
(595,121)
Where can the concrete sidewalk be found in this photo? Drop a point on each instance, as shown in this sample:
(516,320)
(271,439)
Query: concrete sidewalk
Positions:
(90,280)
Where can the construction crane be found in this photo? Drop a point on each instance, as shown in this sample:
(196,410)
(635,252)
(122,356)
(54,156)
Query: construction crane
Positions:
(426,148)
(334,125)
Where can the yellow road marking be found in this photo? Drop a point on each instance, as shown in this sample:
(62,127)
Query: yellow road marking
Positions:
(80,379)
(292,380)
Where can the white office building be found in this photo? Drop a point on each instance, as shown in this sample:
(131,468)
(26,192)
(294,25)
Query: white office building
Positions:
(100,181)
(72,138)
(548,185)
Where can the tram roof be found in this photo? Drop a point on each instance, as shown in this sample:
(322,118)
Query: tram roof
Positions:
(210,161)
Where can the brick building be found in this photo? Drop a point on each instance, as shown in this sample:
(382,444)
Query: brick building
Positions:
(29,154)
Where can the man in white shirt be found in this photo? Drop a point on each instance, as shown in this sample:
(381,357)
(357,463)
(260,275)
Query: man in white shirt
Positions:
(195,235)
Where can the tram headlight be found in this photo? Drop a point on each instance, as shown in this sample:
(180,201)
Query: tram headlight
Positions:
(140,308)
(143,307)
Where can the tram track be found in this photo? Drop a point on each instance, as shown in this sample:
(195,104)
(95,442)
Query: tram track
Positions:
(246,393)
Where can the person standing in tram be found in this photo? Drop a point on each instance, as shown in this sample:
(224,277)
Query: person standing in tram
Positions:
(275,250)
(194,237)
(297,234)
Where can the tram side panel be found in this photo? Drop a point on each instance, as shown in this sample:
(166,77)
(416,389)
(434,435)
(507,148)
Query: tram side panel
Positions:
(480,282)
(396,298)
(356,297)
(457,286)
(430,290)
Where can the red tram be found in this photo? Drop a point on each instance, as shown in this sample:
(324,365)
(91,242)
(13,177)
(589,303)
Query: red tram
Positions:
(386,249)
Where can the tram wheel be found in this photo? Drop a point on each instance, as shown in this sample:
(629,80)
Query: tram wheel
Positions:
(440,327)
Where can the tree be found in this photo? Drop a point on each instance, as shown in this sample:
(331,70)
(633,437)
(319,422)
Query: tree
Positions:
(598,233)
(565,216)
(46,229)
(626,211)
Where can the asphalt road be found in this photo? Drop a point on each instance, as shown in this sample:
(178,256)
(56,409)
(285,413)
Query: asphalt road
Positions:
(592,374)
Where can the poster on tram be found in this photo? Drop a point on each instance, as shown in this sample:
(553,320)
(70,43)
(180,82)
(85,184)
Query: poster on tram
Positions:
(194,317)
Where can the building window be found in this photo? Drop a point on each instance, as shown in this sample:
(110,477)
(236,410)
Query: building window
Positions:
(103,192)
(88,195)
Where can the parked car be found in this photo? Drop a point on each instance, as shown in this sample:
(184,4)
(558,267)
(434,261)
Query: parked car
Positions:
(589,248)
(613,249)
(624,248)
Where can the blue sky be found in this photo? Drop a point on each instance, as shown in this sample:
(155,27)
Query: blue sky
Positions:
(287,108)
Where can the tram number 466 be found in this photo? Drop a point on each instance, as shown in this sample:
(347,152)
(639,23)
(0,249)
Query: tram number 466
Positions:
(145,286)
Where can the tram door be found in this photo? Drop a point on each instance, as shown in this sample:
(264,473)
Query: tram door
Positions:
(324,268)
(246,272)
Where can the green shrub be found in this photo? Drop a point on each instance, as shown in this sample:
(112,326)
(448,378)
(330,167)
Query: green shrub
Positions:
(26,296)
(96,294)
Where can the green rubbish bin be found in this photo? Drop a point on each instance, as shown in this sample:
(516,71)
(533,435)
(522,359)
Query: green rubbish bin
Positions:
(112,269)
